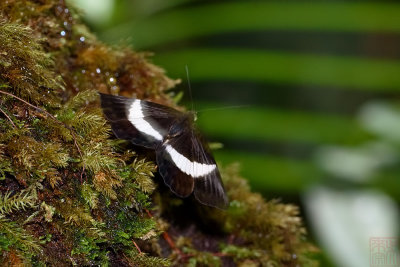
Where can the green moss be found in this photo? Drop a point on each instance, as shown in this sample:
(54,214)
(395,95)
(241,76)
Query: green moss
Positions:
(269,226)
(21,200)
(134,258)
(25,66)
(90,196)
(80,197)
(204,259)
(90,249)
(241,253)
(14,237)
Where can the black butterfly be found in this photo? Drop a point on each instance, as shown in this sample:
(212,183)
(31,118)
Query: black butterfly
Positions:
(183,158)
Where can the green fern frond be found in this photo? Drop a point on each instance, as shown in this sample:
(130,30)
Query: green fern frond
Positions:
(22,200)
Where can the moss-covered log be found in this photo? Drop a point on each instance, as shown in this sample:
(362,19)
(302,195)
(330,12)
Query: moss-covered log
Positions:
(71,194)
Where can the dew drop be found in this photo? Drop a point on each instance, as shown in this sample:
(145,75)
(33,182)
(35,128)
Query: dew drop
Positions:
(112,79)
(82,38)
(98,70)
(62,33)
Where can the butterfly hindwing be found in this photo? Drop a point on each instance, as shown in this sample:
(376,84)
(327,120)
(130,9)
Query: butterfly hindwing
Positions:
(208,189)
(186,165)
(179,182)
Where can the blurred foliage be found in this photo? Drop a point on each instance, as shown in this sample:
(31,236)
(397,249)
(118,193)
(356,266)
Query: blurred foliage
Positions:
(72,195)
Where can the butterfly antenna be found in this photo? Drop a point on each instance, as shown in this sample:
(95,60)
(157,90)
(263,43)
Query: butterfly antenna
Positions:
(190,88)
(223,108)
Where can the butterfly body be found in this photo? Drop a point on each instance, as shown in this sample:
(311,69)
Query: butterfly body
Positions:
(179,125)
(183,158)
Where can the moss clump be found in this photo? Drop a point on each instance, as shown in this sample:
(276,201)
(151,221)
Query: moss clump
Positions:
(269,227)
(72,195)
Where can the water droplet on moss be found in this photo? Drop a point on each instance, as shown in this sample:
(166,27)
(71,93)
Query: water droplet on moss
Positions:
(62,33)
(98,70)
(82,39)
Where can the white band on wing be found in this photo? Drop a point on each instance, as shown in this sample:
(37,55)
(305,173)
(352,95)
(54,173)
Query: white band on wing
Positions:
(136,117)
(191,168)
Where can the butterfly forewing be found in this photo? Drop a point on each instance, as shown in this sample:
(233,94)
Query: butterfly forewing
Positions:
(183,158)
(142,122)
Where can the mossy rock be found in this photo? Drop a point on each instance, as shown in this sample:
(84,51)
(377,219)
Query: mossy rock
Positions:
(71,194)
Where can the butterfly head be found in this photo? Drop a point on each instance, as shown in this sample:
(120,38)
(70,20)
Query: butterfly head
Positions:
(181,124)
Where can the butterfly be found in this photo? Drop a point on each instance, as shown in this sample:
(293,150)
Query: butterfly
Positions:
(183,157)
